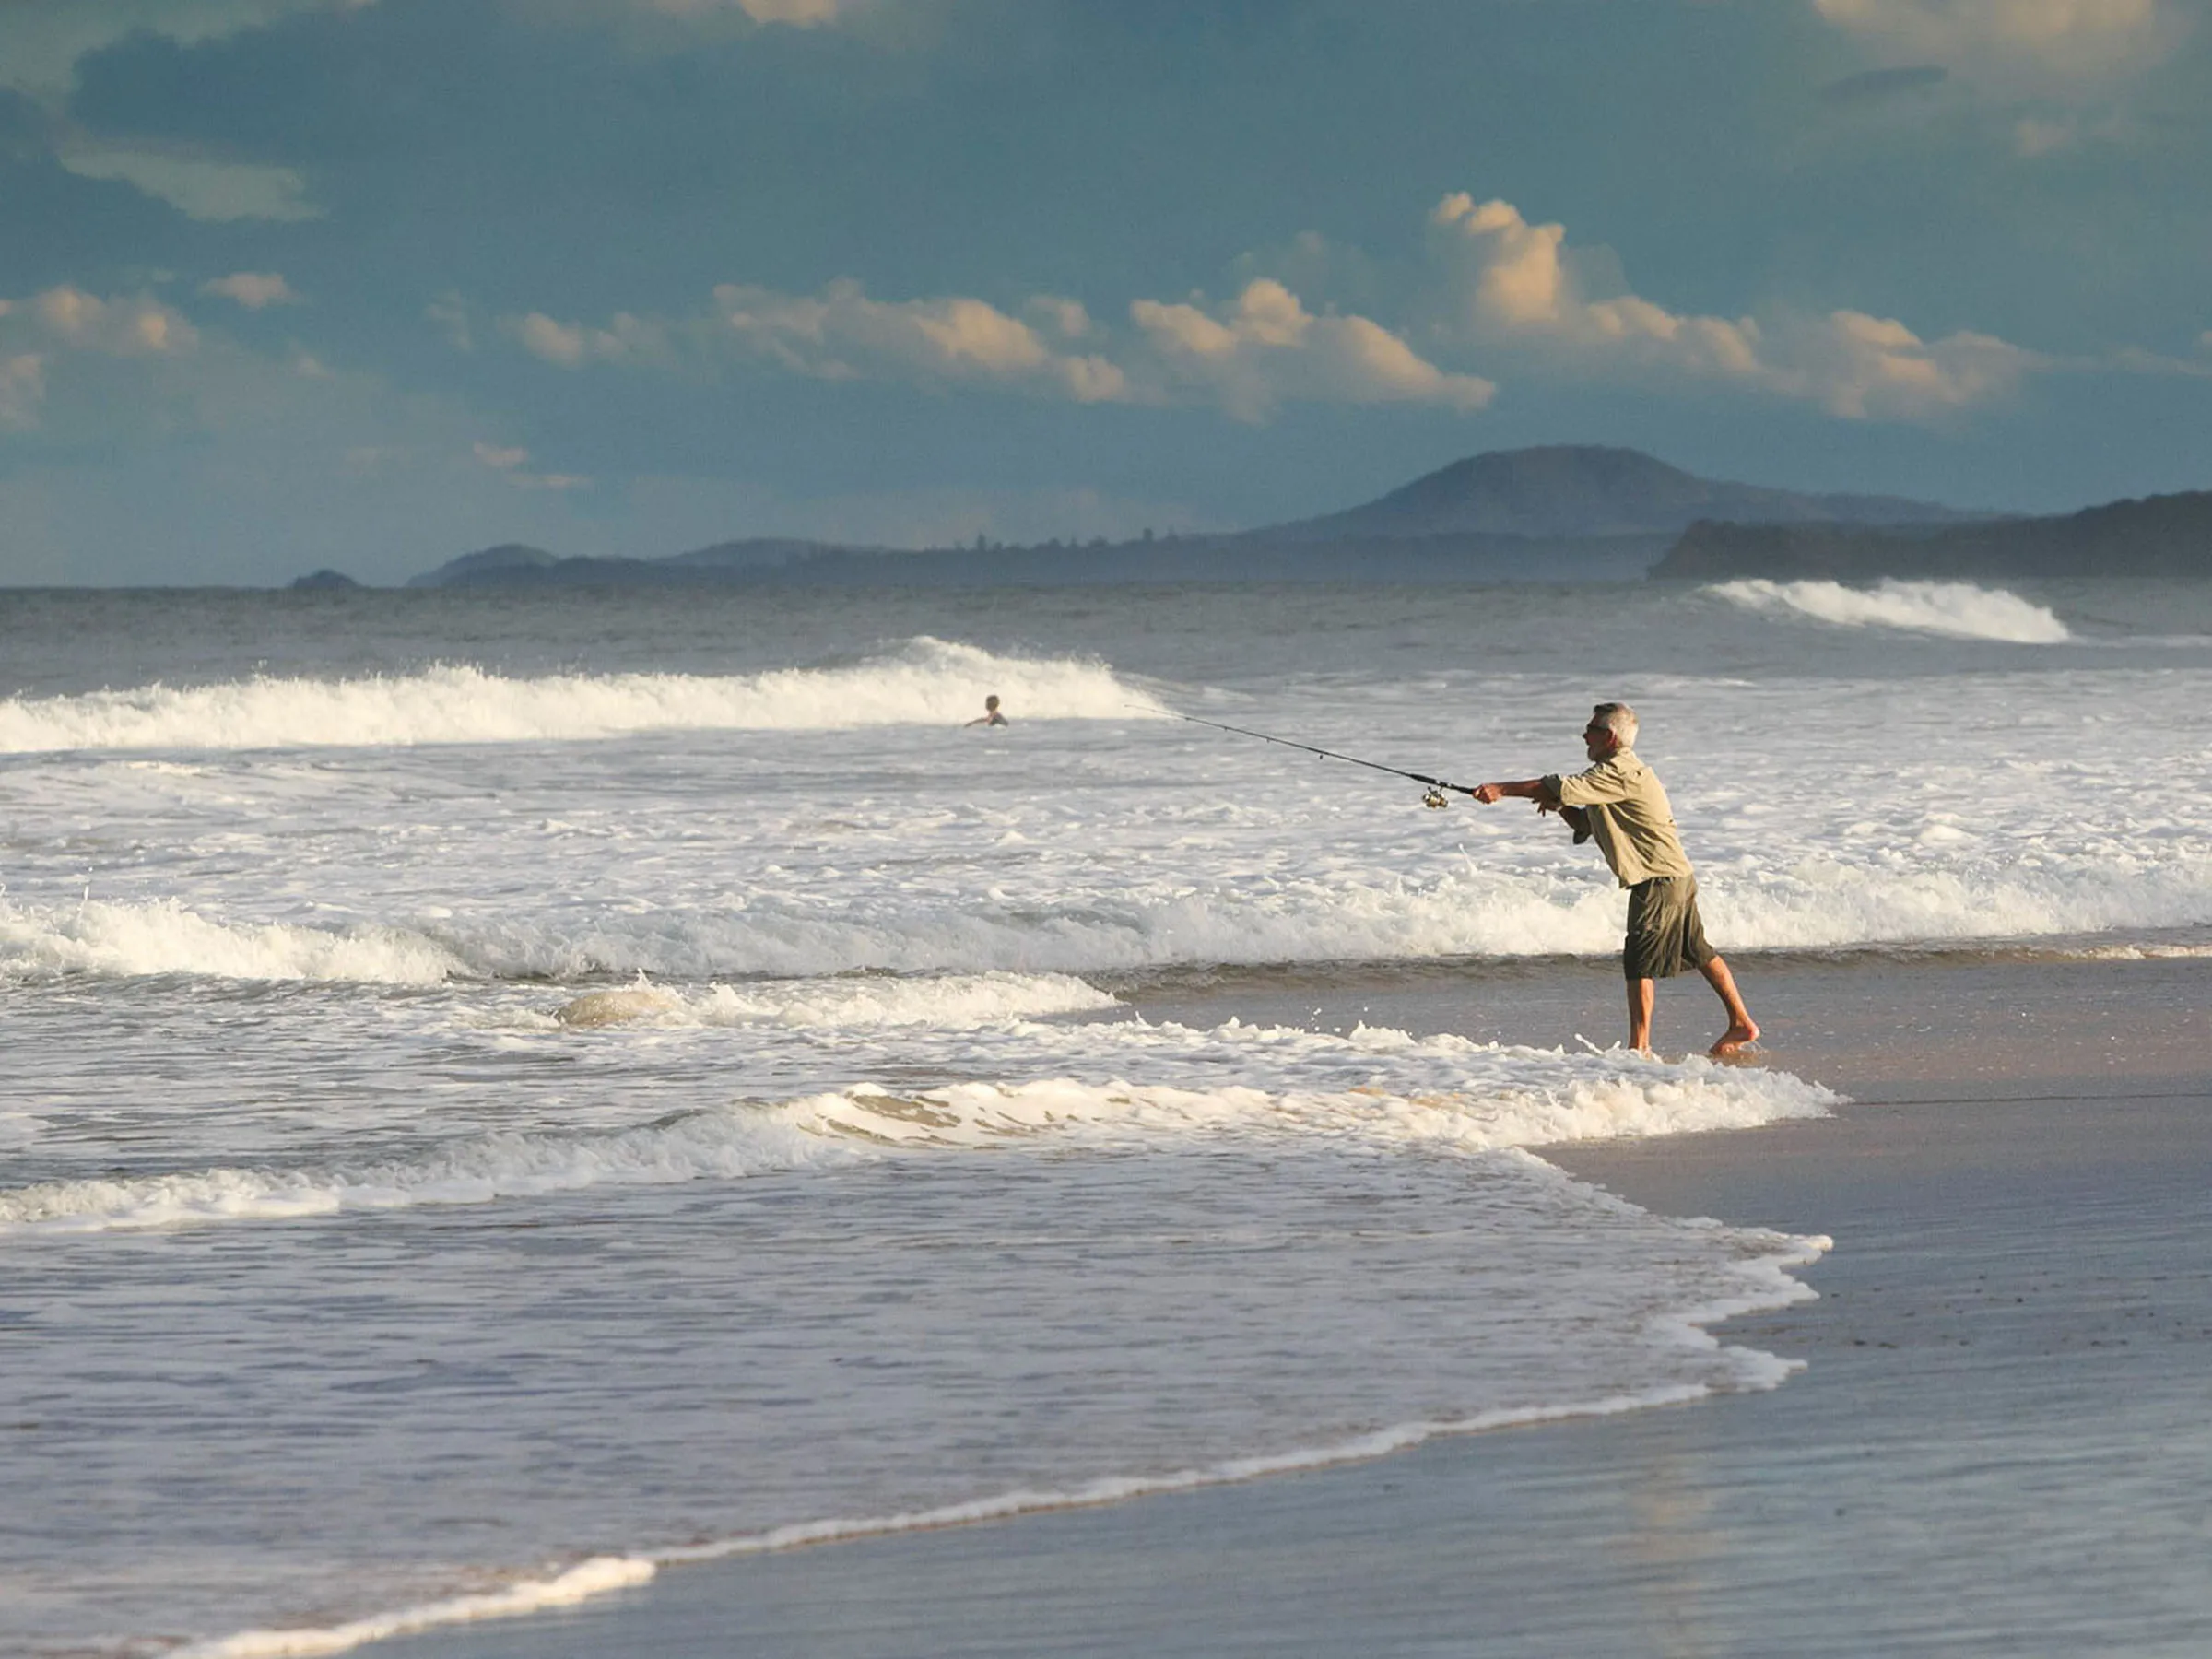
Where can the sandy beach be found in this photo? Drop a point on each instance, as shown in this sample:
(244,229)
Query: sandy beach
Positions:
(1998,1443)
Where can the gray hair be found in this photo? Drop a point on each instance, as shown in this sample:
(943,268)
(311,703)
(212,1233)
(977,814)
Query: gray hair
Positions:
(1618,719)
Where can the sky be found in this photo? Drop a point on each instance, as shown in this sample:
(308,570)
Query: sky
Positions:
(368,284)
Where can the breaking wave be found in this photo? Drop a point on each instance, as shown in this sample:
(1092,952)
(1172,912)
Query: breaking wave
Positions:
(925,681)
(1956,609)
(163,936)
(941,1002)
(1445,1091)
(964,959)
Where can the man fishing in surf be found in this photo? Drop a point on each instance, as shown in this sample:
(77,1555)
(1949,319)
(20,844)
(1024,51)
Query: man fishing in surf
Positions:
(1620,802)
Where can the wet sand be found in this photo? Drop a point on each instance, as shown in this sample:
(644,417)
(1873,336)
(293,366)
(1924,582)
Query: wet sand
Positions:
(1999,1445)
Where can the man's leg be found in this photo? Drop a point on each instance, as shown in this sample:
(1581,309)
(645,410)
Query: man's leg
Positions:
(1640,996)
(1741,1028)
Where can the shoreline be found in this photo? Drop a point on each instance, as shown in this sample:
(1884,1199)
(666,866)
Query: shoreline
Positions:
(1994,1445)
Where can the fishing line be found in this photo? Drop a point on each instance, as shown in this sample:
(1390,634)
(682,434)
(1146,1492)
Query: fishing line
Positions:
(1435,797)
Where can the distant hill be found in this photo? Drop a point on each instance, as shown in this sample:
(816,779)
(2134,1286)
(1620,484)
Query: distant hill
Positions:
(1566,514)
(493,564)
(514,565)
(1582,491)
(2160,536)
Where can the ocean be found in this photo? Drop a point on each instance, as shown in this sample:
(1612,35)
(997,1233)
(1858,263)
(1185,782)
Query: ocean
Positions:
(510,1093)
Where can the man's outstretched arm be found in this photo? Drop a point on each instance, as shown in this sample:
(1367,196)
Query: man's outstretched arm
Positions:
(1539,789)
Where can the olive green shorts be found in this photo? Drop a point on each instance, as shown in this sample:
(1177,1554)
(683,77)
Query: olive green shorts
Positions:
(1665,934)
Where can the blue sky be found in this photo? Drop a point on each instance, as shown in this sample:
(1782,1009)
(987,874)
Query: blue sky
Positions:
(371,283)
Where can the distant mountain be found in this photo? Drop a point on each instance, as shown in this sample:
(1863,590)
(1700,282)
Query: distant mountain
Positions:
(1583,491)
(2160,536)
(324,579)
(514,565)
(1566,514)
(493,564)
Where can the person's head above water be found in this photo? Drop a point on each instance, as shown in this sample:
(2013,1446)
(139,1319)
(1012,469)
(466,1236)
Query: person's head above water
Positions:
(990,703)
(1612,726)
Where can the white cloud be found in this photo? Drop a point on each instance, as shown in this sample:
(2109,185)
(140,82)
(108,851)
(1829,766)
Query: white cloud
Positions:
(1863,367)
(1265,346)
(627,339)
(799,14)
(840,334)
(1509,284)
(2066,38)
(200,187)
(252,289)
(1255,352)
(1497,294)
(512,464)
(50,340)
(1510,280)
(135,325)
(659,25)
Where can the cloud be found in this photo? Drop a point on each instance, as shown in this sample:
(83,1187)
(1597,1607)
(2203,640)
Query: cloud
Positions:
(46,337)
(840,334)
(1264,347)
(664,24)
(69,318)
(2065,38)
(627,339)
(41,45)
(1513,281)
(252,289)
(1495,296)
(798,13)
(1259,350)
(1863,367)
(512,464)
(199,186)
(1510,284)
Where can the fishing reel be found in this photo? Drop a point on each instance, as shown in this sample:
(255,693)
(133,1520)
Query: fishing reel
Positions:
(1435,798)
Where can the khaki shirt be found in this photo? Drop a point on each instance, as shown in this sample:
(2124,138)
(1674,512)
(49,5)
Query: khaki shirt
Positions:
(1628,814)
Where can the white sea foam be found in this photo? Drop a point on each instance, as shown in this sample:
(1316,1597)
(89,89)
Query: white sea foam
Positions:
(1958,609)
(163,936)
(1885,895)
(960,958)
(926,681)
(725,1143)
(950,1001)
(598,1576)
(1484,1097)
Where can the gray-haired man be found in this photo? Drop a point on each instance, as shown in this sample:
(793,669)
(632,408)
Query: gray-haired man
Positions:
(1618,801)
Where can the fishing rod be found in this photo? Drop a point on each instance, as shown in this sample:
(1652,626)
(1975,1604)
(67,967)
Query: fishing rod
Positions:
(1435,797)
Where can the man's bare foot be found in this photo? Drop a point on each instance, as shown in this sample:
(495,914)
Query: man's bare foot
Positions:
(1733,1039)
